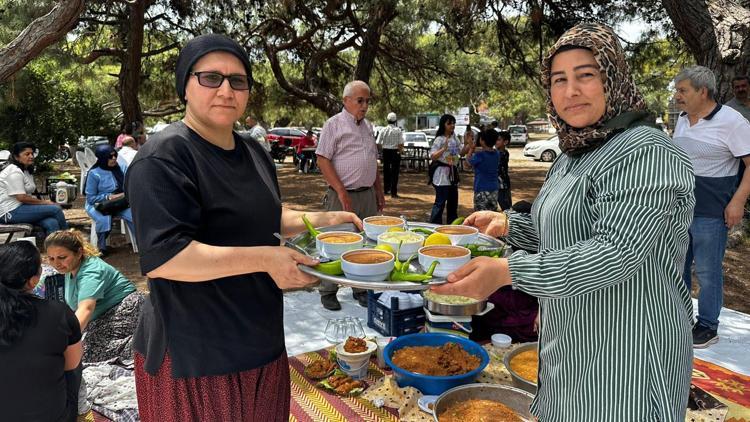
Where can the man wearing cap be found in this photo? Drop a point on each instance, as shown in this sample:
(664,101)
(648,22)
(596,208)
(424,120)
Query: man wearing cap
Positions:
(348,158)
(391,139)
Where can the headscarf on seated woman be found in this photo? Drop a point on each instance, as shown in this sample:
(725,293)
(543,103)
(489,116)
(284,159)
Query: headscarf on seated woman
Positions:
(103,153)
(624,104)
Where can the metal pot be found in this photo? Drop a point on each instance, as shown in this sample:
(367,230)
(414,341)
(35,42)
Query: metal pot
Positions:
(517,380)
(455,310)
(517,400)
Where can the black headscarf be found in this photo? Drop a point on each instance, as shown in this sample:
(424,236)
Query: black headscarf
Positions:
(103,153)
(199,47)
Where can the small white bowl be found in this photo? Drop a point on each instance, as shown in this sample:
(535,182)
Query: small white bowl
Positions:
(334,250)
(355,364)
(470,236)
(446,264)
(408,248)
(501,340)
(378,271)
(380,224)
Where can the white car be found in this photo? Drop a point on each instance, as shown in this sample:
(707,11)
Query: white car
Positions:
(416,139)
(546,150)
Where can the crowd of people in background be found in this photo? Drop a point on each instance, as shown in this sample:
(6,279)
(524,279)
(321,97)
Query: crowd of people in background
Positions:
(212,259)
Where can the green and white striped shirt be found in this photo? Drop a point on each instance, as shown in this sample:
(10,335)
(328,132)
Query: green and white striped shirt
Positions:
(611,231)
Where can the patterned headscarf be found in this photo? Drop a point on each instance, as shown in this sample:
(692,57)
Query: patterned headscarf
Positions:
(620,93)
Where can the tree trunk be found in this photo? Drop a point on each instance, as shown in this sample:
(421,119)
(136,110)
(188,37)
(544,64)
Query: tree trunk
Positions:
(384,15)
(130,69)
(39,34)
(717,32)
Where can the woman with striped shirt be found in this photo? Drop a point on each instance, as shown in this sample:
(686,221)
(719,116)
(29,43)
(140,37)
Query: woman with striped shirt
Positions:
(610,227)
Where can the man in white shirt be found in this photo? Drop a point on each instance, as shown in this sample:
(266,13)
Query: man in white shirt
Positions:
(391,139)
(715,139)
(127,152)
(257,132)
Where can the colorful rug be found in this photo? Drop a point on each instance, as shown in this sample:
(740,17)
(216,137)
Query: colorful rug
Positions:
(730,388)
(312,404)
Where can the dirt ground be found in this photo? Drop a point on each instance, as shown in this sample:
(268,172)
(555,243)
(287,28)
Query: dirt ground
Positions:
(305,192)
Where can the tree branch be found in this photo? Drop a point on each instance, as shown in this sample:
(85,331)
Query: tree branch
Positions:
(39,34)
(160,50)
(103,52)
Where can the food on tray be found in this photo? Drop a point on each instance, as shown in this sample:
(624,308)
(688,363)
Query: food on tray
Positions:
(448,359)
(448,299)
(355,345)
(384,221)
(477,410)
(444,251)
(456,230)
(396,237)
(343,385)
(526,365)
(437,239)
(372,256)
(339,237)
(319,369)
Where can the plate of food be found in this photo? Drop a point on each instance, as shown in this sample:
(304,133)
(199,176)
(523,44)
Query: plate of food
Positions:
(391,253)
(320,369)
(343,385)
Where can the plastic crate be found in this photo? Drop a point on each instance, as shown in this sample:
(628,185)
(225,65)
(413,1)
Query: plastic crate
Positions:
(393,321)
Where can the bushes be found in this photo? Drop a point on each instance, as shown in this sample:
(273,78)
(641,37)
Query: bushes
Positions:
(40,108)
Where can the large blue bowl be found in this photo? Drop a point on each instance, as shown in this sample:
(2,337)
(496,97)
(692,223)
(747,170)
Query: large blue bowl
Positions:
(432,385)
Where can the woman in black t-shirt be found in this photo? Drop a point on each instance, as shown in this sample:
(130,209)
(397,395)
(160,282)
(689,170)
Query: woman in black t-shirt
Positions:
(39,344)
(206,203)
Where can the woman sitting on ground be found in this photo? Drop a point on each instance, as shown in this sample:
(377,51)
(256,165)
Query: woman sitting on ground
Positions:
(39,343)
(105,302)
(17,202)
(105,182)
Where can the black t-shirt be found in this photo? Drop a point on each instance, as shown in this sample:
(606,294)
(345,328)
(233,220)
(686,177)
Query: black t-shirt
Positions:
(32,370)
(182,188)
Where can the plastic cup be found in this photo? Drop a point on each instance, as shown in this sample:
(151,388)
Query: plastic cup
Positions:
(382,342)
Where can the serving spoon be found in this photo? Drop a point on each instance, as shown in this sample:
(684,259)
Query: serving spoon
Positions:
(289,244)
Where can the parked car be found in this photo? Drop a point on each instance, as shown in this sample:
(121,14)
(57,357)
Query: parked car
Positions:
(416,139)
(429,133)
(518,134)
(286,136)
(546,150)
(91,142)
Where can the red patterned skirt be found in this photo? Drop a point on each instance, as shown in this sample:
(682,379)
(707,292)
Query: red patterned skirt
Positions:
(260,394)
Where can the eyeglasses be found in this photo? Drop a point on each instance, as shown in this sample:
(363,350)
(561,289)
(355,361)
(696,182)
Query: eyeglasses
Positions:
(363,100)
(215,79)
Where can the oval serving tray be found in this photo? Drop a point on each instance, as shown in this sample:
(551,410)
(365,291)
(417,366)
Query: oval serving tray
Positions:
(307,242)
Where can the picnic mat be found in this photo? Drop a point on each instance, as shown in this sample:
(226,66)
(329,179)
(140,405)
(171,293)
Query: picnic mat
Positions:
(730,388)
(309,403)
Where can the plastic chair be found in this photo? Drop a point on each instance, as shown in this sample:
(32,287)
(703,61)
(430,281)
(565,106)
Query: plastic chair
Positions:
(124,229)
(84,165)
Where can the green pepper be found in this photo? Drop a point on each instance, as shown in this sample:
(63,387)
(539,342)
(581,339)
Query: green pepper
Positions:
(404,276)
(314,233)
(458,221)
(330,268)
(422,230)
(493,253)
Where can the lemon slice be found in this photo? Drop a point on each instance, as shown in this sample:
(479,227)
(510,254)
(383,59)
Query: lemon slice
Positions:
(396,229)
(384,247)
(437,239)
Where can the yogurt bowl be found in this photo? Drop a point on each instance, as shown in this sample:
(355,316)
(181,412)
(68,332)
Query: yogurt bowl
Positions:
(333,244)
(380,224)
(450,258)
(410,242)
(459,234)
(367,264)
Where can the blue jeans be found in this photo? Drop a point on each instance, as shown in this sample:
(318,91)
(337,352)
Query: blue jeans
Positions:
(708,239)
(50,217)
(445,194)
